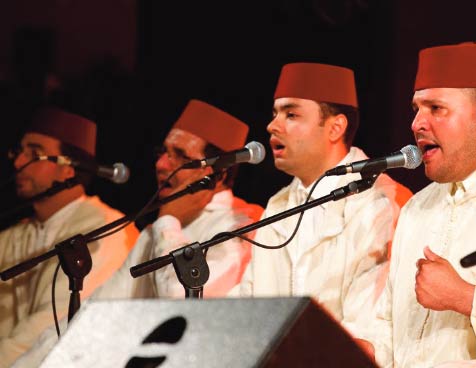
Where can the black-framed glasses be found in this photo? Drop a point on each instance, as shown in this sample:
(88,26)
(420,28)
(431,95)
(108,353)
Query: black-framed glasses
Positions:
(30,153)
(176,156)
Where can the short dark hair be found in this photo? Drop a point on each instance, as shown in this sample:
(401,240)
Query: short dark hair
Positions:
(230,174)
(80,155)
(350,112)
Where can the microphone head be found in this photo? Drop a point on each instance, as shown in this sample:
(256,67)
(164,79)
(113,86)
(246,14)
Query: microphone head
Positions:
(121,173)
(412,156)
(257,152)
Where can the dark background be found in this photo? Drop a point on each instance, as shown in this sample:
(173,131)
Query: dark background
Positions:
(132,66)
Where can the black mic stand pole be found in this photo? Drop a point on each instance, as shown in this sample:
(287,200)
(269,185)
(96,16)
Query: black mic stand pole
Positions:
(74,255)
(190,263)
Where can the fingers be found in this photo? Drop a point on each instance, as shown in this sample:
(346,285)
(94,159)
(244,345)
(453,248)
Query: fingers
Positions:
(427,252)
(420,263)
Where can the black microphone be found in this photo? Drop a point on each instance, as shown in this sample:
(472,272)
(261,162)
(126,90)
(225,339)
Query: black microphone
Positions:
(252,153)
(468,261)
(118,173)
(409,157)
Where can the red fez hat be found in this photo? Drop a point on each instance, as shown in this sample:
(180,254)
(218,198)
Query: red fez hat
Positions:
(66,127)
(318,82)
(213,125)
(450,66)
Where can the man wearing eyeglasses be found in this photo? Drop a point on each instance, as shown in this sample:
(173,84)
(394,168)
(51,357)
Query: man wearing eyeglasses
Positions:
(201,131)
(26,300)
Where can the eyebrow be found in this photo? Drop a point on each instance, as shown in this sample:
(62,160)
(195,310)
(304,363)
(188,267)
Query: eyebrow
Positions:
(180,152)
(287,106)
(35,146)
(431,101)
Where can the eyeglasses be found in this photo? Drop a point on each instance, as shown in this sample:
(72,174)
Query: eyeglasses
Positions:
(30,153)
(176,156)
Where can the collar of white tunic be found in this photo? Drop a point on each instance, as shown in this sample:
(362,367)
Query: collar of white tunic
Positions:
(61,216)
(222,199)
(45,233)
(328,183)
(458,192)
(295,194)
(469,184)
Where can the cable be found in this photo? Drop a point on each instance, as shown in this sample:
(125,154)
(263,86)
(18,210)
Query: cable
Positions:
(141,212)
(144,208)
(53,302)
(296,228)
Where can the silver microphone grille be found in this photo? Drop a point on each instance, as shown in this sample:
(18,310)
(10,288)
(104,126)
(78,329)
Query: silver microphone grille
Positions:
(412,156)
(121,173)
(257,152)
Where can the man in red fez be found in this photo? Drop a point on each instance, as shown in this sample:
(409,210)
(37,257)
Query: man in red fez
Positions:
(426,313)
(339,252)
(202,130)
(25,301)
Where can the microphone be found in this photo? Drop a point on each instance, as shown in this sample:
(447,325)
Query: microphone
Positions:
(468,261)
(118,173)
(408,157)
(252,153)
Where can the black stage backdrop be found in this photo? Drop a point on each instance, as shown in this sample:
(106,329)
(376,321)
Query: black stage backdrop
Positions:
(133,65)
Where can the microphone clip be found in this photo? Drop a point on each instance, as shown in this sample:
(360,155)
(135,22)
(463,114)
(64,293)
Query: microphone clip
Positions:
(371,172)
(207,182)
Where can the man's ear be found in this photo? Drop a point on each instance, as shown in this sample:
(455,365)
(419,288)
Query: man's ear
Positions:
(337,127)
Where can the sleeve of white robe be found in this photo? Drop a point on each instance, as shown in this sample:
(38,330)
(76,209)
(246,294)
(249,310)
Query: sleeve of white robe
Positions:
(26,331)
(372,232)
(380,331)
(225,260)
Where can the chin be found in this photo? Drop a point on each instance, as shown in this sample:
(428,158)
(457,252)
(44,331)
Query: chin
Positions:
(439,177)
(281,166)
(24,194)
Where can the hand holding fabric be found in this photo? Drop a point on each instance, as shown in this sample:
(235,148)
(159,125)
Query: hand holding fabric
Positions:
(439,287)
(187,208)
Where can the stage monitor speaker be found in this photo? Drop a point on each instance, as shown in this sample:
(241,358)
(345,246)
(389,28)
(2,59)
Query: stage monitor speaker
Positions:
(225,333)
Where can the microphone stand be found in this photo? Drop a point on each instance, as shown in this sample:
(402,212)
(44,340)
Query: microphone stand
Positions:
(74,255)
(189,261)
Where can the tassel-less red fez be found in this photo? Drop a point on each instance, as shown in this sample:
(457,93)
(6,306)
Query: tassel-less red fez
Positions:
(213,125)
(450,66)
(318,82)
(66,127)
